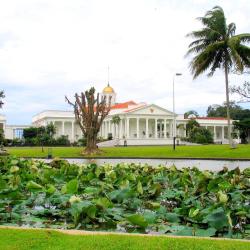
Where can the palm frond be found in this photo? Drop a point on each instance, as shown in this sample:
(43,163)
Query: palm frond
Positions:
(237,59)
(244,52)
(206,58)
(205,33)
(196,49)
(243,37)
(218,61)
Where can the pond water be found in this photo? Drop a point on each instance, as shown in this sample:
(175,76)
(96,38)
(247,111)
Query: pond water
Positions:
(215,165)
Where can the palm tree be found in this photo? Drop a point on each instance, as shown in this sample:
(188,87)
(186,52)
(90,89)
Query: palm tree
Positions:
(217,47)
(116,121)
(50,129)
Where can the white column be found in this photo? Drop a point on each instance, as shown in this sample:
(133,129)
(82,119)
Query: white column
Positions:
(72,131)
(63,128)
(121,127)
(137,127)
(116,130)
(155,128)
(214,132)
(146,127)
(165,129)
(109,127)
(102,128)
(171,131)
(127,127)
(106,129)
(223,132)
(113,130)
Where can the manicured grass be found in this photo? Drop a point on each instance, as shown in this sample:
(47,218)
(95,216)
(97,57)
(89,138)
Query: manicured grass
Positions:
(203,151)
(25,239)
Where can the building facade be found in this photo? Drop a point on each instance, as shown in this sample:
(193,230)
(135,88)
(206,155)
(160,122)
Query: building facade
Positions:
(140,123)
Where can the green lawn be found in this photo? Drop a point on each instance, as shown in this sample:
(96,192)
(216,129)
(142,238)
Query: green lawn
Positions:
(16,239)
(203,151)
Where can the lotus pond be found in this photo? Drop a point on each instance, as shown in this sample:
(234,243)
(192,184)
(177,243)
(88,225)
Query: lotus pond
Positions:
(125,197)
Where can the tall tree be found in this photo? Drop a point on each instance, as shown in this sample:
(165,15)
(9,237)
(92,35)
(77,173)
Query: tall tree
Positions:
(50,129)
(116,121)
(90,112)
(217,47)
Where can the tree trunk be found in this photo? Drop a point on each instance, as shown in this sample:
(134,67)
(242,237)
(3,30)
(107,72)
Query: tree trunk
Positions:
(228,107)
(91,147)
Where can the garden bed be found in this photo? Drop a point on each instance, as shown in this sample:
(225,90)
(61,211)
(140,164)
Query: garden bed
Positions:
(130,198)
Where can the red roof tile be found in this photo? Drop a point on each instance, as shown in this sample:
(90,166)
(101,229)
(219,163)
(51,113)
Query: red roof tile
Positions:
(211,118)
(123,105)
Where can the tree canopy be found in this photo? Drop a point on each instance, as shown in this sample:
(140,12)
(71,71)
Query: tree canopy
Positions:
(236,111)
(191,113)
(244,127)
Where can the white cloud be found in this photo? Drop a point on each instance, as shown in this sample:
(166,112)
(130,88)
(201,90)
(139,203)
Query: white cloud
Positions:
(49,48)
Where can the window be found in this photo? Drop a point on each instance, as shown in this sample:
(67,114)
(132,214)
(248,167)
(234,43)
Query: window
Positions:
(18,133)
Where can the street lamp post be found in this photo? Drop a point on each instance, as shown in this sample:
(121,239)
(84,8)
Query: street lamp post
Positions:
(174,118)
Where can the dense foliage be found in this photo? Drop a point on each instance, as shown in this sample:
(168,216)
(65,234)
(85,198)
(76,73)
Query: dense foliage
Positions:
(197,134)
(125,197)
(43,135)
(236,111)
(191,113)
(39,136)
(2,138)
(201,135)
(244,127)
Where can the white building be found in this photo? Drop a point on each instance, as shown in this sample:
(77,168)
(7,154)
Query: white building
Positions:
(140,123)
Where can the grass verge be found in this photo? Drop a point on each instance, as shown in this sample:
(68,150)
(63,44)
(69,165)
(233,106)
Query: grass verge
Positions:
(25,239)
(203,151)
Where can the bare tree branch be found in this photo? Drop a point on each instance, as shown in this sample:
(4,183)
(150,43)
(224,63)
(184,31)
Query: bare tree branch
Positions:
(243,92)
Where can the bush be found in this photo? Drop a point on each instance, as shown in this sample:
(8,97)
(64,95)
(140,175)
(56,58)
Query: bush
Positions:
(201,135)
(110,136)
(63,140)
(82,142)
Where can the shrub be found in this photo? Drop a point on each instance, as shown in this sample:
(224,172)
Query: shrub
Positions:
(200,135)
(63,140)
(82,142)
(110,136)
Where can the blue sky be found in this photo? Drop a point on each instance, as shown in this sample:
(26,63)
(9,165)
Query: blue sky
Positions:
(53,48)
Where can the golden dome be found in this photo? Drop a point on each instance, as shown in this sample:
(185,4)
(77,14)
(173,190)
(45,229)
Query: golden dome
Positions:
(108,90)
